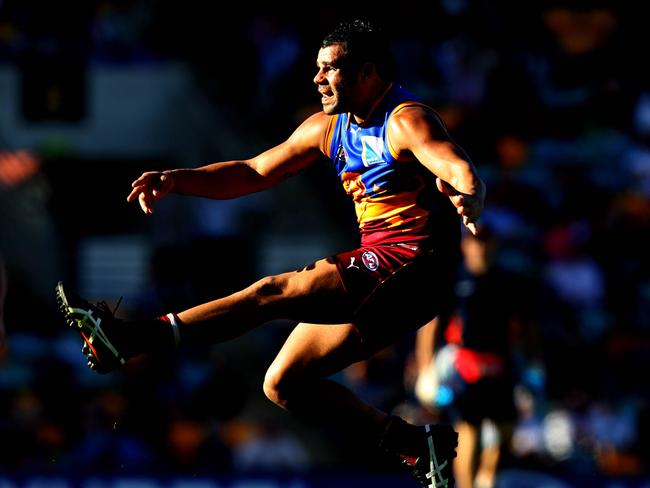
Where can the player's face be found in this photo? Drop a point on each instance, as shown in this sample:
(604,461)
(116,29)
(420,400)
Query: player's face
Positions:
(333,85)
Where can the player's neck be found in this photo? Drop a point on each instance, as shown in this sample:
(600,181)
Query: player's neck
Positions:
(376,94)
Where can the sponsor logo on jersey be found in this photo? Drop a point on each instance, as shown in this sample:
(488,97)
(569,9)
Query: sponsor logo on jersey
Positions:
(373,149)
(370,260)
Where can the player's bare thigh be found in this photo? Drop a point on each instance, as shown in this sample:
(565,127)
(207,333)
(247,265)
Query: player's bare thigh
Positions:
(314,293)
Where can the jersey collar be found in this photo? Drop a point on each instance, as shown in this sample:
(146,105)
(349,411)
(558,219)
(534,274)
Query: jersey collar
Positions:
(372,109)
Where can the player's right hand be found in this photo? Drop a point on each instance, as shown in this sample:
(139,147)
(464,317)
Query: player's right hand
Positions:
(468,206)
(150,187)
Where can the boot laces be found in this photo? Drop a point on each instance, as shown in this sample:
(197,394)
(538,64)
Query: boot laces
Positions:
(105,308)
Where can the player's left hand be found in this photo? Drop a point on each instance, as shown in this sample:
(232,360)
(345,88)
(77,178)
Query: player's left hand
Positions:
(468,206)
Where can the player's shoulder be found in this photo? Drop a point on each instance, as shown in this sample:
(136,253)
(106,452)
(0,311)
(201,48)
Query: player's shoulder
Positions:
(315,123)
(314,129)
(414,112)
(415,117)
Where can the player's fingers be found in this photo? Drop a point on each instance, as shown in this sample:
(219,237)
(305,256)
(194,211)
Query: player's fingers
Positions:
(144,203)
(445,188)
(458,200)
(140,182)
(139,186)
(471,226)
(144,178)
(134,194)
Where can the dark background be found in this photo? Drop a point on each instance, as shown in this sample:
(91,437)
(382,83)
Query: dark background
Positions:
(549,100)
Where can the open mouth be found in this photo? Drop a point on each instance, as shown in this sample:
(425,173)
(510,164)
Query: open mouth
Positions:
(326,95)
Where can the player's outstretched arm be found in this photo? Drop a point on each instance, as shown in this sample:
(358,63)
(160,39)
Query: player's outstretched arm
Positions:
(231,179)
(420,132)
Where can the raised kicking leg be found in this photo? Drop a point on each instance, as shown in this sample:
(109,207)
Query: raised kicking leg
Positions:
(314,293)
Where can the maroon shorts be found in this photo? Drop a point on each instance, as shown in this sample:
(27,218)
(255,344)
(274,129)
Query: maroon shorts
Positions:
(395,287)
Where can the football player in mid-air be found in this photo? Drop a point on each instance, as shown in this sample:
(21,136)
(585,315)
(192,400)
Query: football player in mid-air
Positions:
(411,185)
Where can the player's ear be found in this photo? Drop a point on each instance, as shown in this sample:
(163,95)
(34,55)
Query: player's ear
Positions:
(367,70)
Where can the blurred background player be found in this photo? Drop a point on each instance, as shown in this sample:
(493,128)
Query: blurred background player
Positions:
(470,358)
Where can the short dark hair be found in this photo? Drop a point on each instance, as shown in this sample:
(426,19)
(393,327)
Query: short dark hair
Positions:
(364,41)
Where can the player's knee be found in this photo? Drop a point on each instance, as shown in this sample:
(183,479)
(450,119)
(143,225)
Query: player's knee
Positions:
(277,386)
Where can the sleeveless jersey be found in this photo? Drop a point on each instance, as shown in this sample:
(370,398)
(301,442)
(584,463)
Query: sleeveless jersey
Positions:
(395,199)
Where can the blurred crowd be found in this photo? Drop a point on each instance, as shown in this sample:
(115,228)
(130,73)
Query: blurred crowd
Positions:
(548,100)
